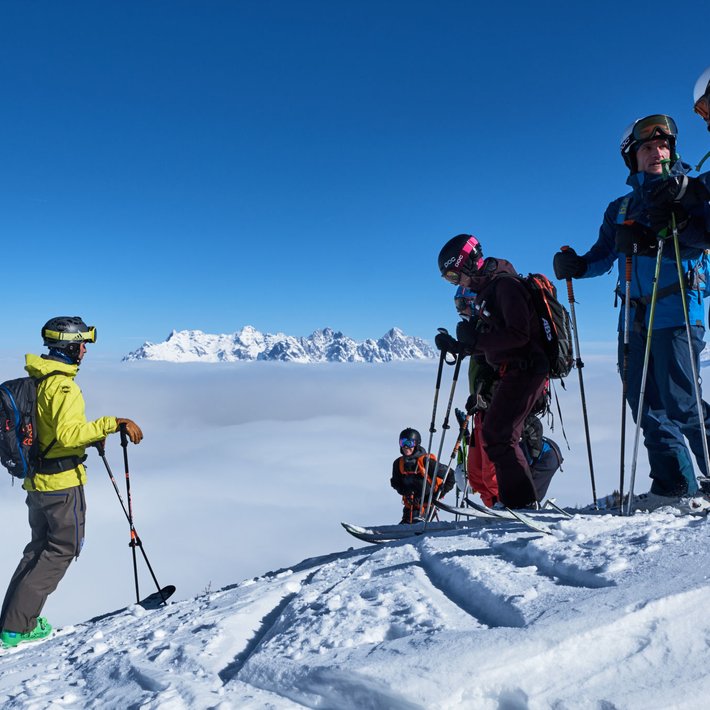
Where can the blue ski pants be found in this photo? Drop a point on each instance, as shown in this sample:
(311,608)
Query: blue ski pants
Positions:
(670,414)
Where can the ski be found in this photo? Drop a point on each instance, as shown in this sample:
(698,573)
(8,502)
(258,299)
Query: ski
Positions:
(489,513)
(152,601)
(390,533)
(550,503)
(157,599)
(470,512)
(533,524)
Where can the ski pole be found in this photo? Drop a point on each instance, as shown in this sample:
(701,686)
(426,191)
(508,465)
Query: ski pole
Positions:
(624,380)
(101,448)
(432,426)
(644,372)
(133,543)
(444,427)
(579,365)
(457,446)
(693,368)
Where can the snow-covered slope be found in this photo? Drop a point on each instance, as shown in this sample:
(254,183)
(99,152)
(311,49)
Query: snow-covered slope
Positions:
(250,344)
(606,613)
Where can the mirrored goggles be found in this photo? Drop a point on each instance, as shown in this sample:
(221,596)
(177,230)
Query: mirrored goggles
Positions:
(702,107)
(652,126)
(463,300)
(407,444)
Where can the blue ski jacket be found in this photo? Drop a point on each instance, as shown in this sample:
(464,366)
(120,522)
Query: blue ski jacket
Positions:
(693,238)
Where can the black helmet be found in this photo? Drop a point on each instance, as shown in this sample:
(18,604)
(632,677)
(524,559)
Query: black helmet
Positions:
(647,129)
(462,254)
(66,333)
(410,435)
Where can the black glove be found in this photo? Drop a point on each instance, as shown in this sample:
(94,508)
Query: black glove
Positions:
(467,336)
(447,343)
(678,190)
(675,195)
(568,265)
(635,239)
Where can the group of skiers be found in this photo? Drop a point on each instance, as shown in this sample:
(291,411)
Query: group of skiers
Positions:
(509,461)
(659,349)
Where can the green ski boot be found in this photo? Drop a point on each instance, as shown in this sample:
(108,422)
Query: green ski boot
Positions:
(10,639)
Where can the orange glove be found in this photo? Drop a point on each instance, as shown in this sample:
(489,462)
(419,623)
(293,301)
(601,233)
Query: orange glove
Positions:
(132,429)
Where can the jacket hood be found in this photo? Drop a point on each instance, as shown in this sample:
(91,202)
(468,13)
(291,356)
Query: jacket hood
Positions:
(491,268)
(37,366)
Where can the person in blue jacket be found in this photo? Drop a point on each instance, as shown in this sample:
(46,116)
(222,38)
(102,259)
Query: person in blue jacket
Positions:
(632,226)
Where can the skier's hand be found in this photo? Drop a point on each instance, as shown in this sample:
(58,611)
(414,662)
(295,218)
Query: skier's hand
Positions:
(567,264)
(132,429)
(689,192)
(674,196)
(635,239)
(471,404)
(467,336)
(664,192)
(447,343)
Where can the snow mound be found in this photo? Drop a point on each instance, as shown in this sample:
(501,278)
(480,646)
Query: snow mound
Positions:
(493,617)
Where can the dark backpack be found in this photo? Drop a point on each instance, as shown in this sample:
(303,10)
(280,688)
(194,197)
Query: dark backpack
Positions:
(554,322)
(19,444)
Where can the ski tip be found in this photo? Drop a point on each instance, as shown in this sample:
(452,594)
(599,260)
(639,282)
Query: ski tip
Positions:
(159,598)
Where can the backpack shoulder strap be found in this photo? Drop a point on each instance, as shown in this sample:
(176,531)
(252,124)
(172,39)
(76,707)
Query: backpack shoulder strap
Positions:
(623,209)
(39,381)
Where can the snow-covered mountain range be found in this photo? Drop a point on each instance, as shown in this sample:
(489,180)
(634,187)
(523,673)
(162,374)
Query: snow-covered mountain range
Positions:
(324,345)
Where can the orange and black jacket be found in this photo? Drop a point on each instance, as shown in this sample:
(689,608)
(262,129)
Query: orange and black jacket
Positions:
(408,473)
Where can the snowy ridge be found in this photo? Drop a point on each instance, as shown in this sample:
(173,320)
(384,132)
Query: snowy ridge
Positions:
(248,343)
(607,612)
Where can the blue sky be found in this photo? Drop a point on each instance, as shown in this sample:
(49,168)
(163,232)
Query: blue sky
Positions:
(295,165)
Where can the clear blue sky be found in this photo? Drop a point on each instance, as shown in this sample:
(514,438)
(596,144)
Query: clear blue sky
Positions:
(292,165)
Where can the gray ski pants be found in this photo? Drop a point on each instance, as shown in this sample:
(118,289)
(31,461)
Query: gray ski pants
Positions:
(57,523)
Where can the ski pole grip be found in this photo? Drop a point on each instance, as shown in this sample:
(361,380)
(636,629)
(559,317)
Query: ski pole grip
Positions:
(124,435)
(570,288)
(99,445)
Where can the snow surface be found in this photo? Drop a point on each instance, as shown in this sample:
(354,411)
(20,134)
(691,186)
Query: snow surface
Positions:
(606,613)
(249,467)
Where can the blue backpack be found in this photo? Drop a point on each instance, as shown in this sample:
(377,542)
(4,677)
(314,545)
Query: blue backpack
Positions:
(19,443)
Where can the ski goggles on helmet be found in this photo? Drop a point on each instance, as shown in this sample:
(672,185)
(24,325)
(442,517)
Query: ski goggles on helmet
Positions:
(405,443)
(87,336)
(470,251)
(702,107)
(656,126)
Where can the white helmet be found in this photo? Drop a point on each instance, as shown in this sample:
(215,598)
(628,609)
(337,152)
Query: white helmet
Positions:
(701,96)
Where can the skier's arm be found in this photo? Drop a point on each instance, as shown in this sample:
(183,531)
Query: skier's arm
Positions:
(396,479)
(602,256)
(72,430)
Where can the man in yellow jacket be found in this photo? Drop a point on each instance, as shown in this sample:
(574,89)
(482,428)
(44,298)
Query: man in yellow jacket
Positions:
(55,495)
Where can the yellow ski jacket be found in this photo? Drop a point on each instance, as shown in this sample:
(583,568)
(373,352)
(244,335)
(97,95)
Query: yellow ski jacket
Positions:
(61,415)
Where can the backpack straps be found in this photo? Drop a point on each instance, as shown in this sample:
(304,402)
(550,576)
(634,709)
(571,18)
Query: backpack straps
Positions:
(39,381)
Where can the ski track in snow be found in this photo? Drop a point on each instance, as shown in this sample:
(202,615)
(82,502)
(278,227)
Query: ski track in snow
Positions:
(606,613)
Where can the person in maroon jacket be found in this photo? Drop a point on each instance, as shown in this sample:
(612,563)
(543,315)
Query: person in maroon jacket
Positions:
(506,332)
